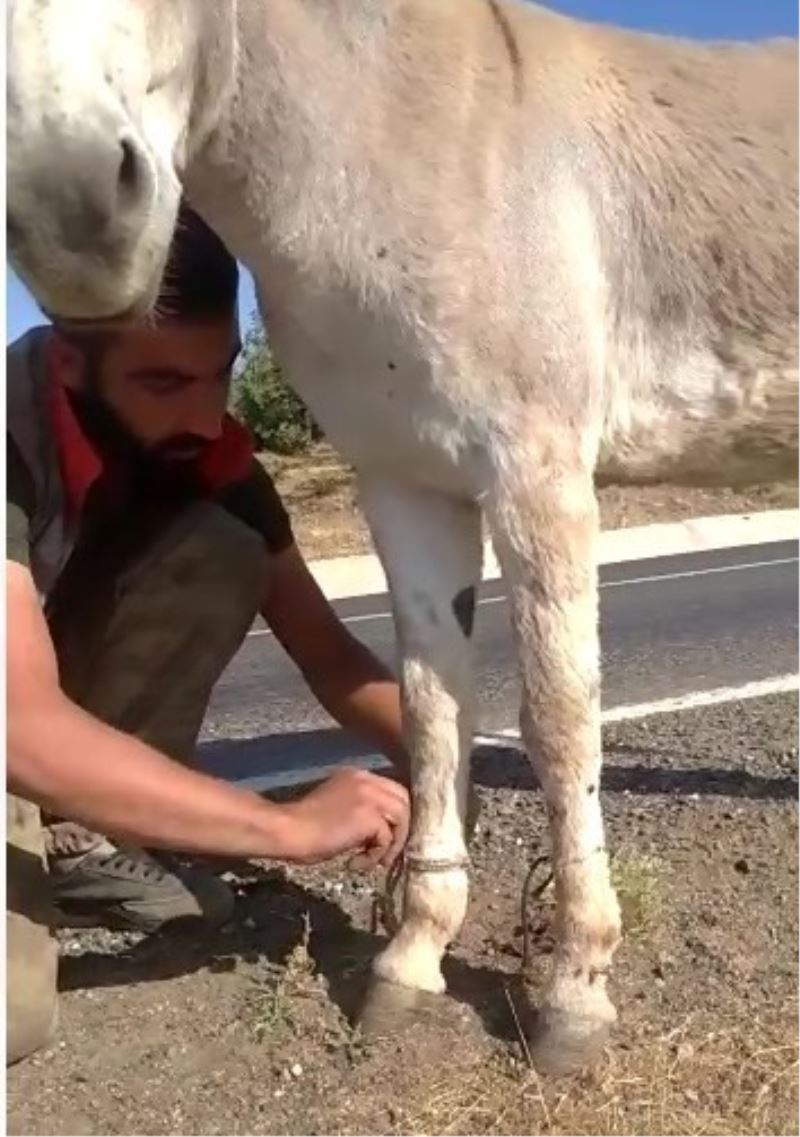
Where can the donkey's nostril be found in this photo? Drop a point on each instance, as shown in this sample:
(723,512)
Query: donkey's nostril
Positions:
(129,169)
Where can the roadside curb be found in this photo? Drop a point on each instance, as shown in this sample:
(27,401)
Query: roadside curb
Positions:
(343,577)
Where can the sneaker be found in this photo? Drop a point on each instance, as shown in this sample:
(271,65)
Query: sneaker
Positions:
(133,890)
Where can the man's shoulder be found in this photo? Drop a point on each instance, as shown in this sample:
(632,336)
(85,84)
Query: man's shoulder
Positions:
(254,499)
(26,373)
(32,492)
(24,347)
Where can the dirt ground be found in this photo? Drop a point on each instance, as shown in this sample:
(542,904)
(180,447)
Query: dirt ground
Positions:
(247,1031)
(320,495)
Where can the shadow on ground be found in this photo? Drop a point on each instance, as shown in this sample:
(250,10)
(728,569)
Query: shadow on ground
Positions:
(270,922)
(288,758)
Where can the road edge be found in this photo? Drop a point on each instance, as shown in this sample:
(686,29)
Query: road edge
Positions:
(343,577)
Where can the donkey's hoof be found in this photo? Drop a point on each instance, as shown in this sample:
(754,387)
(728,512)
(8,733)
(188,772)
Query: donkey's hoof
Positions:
(389,1008)
(561,1043)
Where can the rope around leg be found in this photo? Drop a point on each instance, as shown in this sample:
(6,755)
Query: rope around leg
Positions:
(384,908)
(529,894)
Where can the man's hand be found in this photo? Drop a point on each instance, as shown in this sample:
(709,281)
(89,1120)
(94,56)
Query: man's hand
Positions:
(353,811)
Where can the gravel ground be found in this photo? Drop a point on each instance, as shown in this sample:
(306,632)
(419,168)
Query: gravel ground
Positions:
(247,1031)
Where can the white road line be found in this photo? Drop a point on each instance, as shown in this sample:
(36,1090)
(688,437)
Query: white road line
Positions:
(700,572)
(778,685)
(510,739)
(487,600)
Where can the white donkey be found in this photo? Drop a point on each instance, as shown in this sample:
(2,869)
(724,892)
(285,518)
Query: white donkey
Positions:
(500,252)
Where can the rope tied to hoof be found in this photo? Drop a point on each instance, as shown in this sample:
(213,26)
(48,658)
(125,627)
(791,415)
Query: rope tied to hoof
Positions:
(384,906)
(531,894)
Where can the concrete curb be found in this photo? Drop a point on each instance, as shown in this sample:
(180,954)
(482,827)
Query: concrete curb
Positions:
(343,577)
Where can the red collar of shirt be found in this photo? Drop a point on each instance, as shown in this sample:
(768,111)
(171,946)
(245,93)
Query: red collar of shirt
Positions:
(226,460)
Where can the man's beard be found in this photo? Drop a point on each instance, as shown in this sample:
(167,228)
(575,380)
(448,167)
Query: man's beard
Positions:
(166,472)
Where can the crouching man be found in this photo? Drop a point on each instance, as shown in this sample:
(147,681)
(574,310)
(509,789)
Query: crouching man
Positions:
(143,538)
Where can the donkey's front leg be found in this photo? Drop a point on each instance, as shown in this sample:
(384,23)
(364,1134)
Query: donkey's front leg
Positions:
(430,546)
(544,523)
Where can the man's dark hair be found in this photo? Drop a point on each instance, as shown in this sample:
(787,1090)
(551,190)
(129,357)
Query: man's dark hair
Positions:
(201,279)
(200,282)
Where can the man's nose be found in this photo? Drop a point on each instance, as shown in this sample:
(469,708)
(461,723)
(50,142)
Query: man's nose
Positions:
(205,420)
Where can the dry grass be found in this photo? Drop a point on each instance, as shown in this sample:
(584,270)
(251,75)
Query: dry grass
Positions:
(319,492)
(272,1002)
(681,1082)
(291,1005)
(637,879)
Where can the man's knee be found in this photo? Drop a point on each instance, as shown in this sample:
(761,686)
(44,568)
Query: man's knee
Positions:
(31,987)
(215,548)
(212,563)
(146,655)
(31,950)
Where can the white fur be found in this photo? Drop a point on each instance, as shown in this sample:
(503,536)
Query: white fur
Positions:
(438,699)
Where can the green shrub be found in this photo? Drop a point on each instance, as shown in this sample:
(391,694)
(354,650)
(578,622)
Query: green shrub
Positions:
(263,401)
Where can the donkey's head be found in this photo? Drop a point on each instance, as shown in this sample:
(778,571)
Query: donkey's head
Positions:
(106,101)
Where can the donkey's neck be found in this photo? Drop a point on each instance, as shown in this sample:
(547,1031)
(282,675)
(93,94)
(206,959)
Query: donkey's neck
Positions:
(304,73)
(339,140)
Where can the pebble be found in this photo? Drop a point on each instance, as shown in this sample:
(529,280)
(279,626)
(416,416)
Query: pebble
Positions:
(296,1070)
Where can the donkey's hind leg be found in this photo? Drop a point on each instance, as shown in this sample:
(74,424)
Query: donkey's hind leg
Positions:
(544,525)
(430,546)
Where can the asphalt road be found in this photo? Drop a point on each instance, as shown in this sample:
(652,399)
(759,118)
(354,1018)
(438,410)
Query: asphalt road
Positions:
(670,626)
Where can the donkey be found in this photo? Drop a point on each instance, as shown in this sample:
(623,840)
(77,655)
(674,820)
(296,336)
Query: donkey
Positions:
(501,253)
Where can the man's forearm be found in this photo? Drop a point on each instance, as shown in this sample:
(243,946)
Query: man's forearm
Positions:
(363,696)
(77,767)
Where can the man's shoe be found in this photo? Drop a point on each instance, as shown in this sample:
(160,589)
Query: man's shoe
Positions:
(130,889)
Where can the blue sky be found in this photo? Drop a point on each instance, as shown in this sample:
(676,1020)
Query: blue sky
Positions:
(730,19)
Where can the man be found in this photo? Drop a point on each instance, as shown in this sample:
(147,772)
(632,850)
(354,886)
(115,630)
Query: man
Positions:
(138,514)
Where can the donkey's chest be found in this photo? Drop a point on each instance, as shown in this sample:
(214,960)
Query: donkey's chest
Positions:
(372,385)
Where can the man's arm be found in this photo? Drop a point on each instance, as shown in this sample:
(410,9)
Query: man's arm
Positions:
(350,683)
(76,766)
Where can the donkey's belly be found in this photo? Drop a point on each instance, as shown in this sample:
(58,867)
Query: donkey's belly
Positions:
(696,421)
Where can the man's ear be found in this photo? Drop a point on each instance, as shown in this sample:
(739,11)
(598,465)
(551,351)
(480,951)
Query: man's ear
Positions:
(65,361)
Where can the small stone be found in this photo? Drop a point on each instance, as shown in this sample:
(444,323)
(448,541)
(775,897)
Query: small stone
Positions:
(296,1070)
(279,1093)
(742,866)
